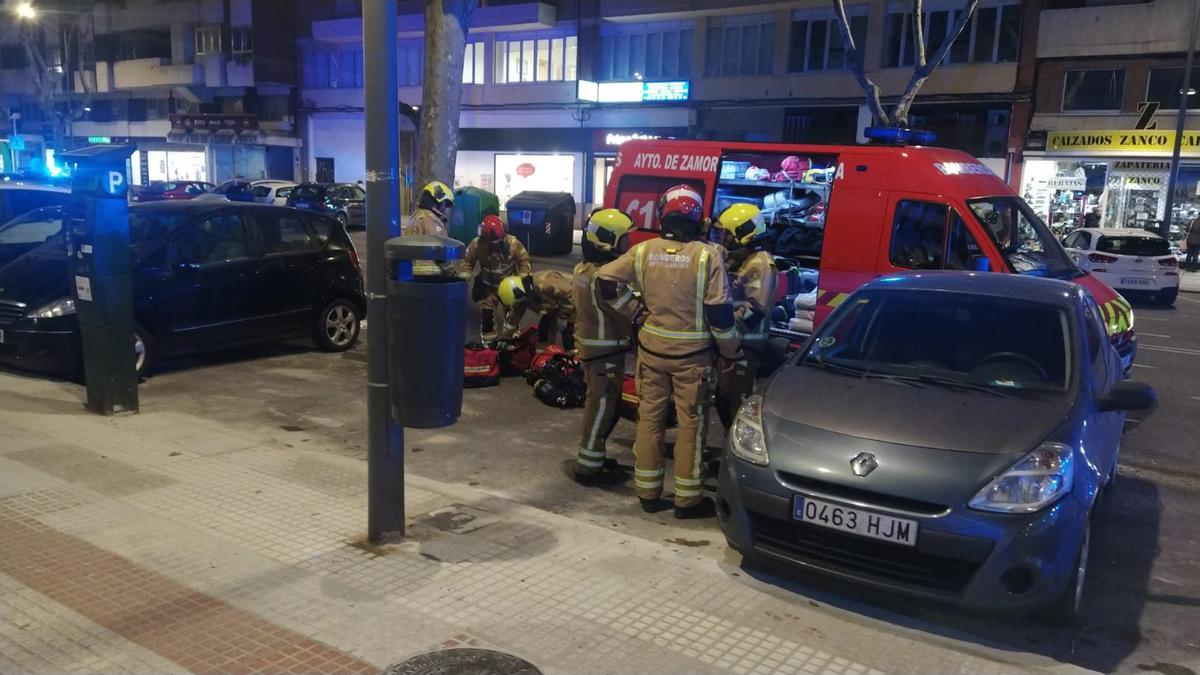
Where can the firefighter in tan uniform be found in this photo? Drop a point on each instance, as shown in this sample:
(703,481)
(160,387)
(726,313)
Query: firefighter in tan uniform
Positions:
(752,279)
(683,285)
(498,255)
(603,342)
(549,293)
(431,216)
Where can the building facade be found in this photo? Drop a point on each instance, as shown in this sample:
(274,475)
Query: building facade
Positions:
(758,70)
(204,88)
(1102,128)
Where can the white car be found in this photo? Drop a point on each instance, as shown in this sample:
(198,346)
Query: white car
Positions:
(271,191)
(1131,261)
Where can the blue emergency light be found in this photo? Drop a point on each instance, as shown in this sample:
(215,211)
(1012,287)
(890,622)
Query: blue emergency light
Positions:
(899,136)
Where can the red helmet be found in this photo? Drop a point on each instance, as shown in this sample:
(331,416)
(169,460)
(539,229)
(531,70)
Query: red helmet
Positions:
(492,229)
(681,202)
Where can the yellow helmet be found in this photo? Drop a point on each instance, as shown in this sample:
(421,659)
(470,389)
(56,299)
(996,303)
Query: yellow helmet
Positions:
(606,227)
(511,290)
(437,197)
(743,221)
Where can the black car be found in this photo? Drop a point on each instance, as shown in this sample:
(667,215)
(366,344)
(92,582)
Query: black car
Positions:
(345,201)
(206,276)
(29,231)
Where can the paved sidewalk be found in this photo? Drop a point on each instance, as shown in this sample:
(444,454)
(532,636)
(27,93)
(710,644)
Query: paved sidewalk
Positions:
(1189,282)
(163,542)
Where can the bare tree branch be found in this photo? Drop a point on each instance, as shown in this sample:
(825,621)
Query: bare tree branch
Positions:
(856,66)
(921,73)
(918,19)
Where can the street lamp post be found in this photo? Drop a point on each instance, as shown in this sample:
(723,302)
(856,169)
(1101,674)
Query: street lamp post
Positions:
(1185,93)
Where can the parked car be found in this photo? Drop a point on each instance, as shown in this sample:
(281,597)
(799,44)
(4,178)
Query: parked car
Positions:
(272,191)
(206,276)
(237,190)
(1135,262)
(169,190)
(345,201)
(18,197)
(29,231)
(942,435)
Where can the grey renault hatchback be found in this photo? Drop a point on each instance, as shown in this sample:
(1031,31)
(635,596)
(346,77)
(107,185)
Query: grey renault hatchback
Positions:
(942,435)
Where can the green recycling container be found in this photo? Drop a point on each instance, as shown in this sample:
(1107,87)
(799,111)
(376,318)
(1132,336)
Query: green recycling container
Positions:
(471,204)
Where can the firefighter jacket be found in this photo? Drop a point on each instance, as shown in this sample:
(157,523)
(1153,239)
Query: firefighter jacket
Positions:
(552,294)
(424,221)
(496,260)
(686,293)
(753,288)
(599,333)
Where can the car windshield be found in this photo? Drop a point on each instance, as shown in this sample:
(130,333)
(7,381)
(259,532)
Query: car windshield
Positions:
(307,192)
(1134,245)
(32,228)
(1023,238)
(958,340)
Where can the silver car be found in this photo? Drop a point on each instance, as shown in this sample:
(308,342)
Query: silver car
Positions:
(942,435)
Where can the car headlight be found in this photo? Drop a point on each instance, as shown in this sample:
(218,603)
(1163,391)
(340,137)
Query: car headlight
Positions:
(60,307)
(1031,484)
(746,438)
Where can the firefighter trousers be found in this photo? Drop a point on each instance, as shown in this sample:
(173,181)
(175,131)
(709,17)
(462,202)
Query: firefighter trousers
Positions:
(489,307)
(734,386)
(689,380)
(601,409)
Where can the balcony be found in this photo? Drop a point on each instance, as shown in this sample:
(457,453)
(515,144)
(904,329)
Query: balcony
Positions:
(521,16)
(1151,28)
(154,72)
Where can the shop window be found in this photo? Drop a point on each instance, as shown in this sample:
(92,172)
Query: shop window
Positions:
(992,35)
(538,57)
(816,43)
(740,45)
(1092,90)
(208,40)
(473,65)
(918,235)
(1166,86)
(241,39)
(653,51)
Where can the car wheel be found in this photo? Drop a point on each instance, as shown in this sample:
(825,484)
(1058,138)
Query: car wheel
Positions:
(1066,609)
(343,219)
(1167,297)
(337,326)
(143,349)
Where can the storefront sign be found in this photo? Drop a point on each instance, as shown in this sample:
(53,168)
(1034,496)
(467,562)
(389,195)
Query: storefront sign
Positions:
(613,139)
(1138,142)
(666,91)
(100,140)
(1140,166)
(1144,181)
(633,92)
(214,122)
(1066,183)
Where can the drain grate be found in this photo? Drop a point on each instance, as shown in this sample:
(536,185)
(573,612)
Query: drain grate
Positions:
(464,662)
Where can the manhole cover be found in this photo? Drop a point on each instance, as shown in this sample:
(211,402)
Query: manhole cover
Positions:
(464,662)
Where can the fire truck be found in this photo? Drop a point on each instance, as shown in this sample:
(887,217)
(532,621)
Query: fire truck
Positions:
(851,213)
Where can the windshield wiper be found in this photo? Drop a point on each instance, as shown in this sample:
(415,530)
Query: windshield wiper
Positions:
(952,382)
(861,373)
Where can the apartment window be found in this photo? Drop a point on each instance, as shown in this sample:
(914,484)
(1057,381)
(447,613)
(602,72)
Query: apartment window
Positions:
(653,51)
(993,35)
(740,45)
(327,67)
(816,41)
(208,40)
(1166,84)
(410,62)
(1090,90)
(241,40)
(473,66)
(538,57)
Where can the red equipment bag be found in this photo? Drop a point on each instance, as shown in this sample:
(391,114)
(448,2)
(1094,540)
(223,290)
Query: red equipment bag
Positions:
(516,355)
(481,366)
(534,372)
(629,397)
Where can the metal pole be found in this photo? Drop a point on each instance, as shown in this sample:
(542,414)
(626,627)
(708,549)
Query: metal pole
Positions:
(1180,121)
(385,438)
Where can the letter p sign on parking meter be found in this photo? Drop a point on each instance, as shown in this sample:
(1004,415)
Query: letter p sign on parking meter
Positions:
(114,183)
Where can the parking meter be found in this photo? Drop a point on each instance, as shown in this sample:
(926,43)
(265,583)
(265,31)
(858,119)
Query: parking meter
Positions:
(96,221)
(427,326)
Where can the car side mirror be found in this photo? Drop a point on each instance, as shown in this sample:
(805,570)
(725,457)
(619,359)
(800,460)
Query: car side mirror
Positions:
(981,264)
(1128,396)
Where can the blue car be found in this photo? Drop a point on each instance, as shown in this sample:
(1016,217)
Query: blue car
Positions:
(942,435)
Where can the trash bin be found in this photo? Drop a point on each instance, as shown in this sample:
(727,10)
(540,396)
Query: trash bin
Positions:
(543,221)
(471,204)
(427,325)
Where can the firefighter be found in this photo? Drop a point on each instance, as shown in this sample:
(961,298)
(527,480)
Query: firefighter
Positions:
(682,282)
(752,279)
(603,343)
(433,212)
(547,292)
(498,255)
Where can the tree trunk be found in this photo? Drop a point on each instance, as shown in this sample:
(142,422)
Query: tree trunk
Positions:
(922,72)
(446,26)
(856,66)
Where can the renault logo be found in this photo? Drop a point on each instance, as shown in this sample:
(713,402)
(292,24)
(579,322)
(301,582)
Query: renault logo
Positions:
(863,464)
